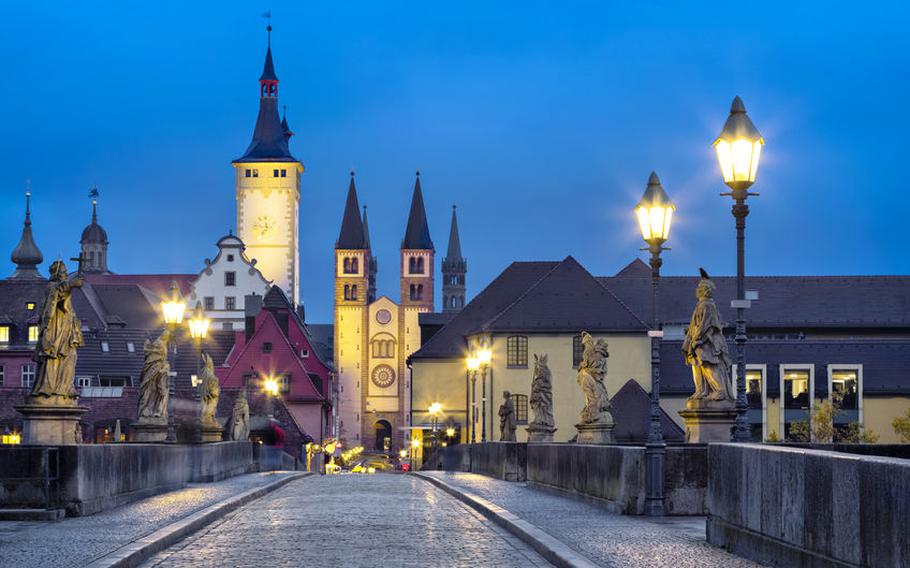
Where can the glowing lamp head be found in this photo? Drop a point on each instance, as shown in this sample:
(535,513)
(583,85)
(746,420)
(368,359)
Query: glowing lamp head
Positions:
(173,307)
(738,148)
(199,324)
(655,212)
(403,453)
(473,363)
(270,386)
(484,356)
(435,408)
(415,443)
(450,432)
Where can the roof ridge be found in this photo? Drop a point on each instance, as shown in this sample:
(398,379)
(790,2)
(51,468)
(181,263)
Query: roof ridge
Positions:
(521,296)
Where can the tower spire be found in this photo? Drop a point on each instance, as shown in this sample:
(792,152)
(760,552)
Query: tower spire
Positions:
(417,233)
(352,234)
(454,268)
(26,256)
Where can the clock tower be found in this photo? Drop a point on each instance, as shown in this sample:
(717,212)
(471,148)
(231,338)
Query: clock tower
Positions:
(267,188)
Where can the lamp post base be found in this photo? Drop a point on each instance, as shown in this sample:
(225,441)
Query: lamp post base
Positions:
(595,433)
(538,433)
(711,422)
(149,432)
(50,425)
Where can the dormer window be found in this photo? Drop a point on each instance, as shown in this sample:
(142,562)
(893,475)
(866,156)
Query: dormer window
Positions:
(267,347)
(33,334)
(30,306)
(105,347)
(4,334)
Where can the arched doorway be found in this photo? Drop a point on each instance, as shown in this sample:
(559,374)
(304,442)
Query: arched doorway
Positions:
(383,435)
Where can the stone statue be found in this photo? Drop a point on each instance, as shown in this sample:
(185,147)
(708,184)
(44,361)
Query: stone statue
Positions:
(542,393)
(240,418)
(507,419)
(705,348)
(153,383)
(209,393)
(59,335)
(591,374)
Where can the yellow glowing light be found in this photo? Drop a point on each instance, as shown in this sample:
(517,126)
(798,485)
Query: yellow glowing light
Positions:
(738,148)
(173,308)
(403,453)
(435,408)
(199,324)
(473,363)
(270,386)
(12,439)
(415,443)
(655,221)
(485,356)
(450,432)
(371,469)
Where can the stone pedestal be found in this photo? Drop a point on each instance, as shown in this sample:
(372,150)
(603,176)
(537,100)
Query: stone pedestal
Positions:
(540,433)
(708,421)
(145,432)
(595,433)
(50,425)
(210,433)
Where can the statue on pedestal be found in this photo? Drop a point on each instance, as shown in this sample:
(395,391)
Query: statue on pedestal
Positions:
(240,418)
(705,348)
(541,429)
(209,392)
(59,335)
(595,422)
(153,382)
(507,419)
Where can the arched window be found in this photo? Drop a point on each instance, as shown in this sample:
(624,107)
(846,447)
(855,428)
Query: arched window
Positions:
(347,292)
(355,265)
(412,265)
(383,346)
(420,291)
(354,292)
(346,265)
(413,292)
(420,265)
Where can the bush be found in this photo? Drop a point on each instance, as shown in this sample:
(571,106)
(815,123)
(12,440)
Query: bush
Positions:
(820,428)
(901,426)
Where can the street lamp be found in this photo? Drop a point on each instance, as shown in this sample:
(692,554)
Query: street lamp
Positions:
(484,356)
(655,213)
(172,309)
(199,329)
(738,150)
(473,364)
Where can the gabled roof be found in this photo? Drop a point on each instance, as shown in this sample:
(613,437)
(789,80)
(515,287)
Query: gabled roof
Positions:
(417,233)
(631,409)
(352,235)
(275,298)
(497,296)
(567,299)
(636,268)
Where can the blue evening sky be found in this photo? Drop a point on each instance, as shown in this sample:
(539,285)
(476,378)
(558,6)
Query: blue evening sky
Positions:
(541,120)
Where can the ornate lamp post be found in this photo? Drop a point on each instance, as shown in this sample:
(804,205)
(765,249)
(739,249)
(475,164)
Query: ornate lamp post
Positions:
(655,213)
(172,309)
(738,150)
(435,409)
(270,387)
(199,329)
(473,364)
(484,356)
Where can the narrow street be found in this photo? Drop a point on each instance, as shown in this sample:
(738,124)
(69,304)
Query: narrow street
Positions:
(352,520)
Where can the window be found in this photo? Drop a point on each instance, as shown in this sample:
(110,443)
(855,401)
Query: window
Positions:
(230,278)
(383,347)
(413,292)
(347,291)
(796,384)
(227,326)
(28,375)
(83,381)
(351,265)
(105,347)
(114,381)
(249,173)
(304,353)
(517,351)
(317,381)
(230,258)
(354,292)
(130,347)
(355,265)
(520,405)
(255,173)
(209,302)
(230,303)
(845,391)
(267,347)
(2,374)
(284,173)
(4,334)
(29,306)
(284,384)
(275,173)
(578,351)
(756,415)
(33,334)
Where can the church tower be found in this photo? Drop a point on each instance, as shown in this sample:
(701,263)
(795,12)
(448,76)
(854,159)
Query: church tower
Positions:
(267,187)
(454,267)
(27,256)
(373,263)
(352,290)
(93,244)
(417,254)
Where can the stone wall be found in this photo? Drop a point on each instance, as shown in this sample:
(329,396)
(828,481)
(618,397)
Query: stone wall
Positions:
(502,460)
(271,458)
(91,478)
(796,506)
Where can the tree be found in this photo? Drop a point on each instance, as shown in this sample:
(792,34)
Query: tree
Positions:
(901,426)
(820,428)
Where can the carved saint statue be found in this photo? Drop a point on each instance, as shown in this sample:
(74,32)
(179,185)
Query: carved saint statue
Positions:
(591,373)
(542,393)
(59,334)
(240,418)
(209,391)
(705,348)
(507,419)
(153,383)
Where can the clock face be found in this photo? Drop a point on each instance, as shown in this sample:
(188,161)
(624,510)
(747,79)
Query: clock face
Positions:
(383,376)
(264,226)
(383,316)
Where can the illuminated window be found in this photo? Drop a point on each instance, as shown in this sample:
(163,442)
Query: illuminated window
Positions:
(255,173)
(83,381)
(517,351)
(230,278)
(796,398)
(230,302)
(33,334)
(284,384)
(29,306)
(845,392)
(4,334)
(130,347)
(520,405)
(105,346)
(28,375)
(578,351)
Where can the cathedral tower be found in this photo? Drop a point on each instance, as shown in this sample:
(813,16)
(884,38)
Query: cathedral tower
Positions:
(417,254)
(352,290)
(454,267)
(267,184)
(93,244)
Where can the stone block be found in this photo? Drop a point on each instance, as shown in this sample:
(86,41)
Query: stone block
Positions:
(845,508)
(707,425)
(818,502)
(595,433)
(49,425)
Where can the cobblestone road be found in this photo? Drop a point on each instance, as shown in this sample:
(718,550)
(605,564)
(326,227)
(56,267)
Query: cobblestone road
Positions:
(608,539)
(352,520)
(78,541)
